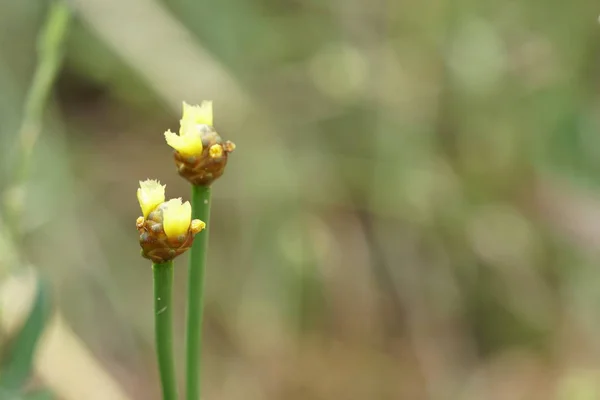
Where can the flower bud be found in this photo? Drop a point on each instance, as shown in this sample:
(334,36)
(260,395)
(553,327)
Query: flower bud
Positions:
(166,229)
(200,153)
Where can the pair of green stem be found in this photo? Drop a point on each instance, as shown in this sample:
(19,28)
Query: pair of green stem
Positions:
(163,307)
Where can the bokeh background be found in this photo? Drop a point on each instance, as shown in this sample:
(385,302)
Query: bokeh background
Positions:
(412,211)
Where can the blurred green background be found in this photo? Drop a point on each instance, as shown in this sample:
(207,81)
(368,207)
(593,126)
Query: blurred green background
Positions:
(412,211)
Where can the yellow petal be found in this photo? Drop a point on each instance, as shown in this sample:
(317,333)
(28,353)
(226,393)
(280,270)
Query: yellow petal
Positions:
(188,145)
(195,115)
(202,114)
(150,194)
(177,218)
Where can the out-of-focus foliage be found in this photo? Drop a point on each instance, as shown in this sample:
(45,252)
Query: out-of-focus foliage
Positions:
(19,354)
(411,211)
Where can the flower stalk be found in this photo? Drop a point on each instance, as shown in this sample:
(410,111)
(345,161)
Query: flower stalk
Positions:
(163,327)
(195,297)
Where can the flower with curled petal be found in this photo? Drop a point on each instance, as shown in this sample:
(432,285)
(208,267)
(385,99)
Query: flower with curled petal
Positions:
(166,229)
(200,153)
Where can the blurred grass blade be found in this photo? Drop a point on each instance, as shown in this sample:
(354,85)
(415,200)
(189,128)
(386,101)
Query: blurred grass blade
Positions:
(39,395)
(6,395)
(18,364)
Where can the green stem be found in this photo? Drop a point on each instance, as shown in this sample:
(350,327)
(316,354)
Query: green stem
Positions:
(200,210)
(163,324)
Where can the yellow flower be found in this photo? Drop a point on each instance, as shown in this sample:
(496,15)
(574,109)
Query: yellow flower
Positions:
(166,230)
(150,194)
(187,145)
(200,153)
(177,218)
(189,141)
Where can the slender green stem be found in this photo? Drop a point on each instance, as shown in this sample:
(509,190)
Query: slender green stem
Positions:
(200,210)
(50,55)
(163,325)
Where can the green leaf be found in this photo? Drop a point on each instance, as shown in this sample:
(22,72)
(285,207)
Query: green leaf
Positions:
(17,365)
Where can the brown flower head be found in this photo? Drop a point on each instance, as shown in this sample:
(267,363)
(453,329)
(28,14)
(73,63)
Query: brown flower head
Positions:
(166,229)
(200,153)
